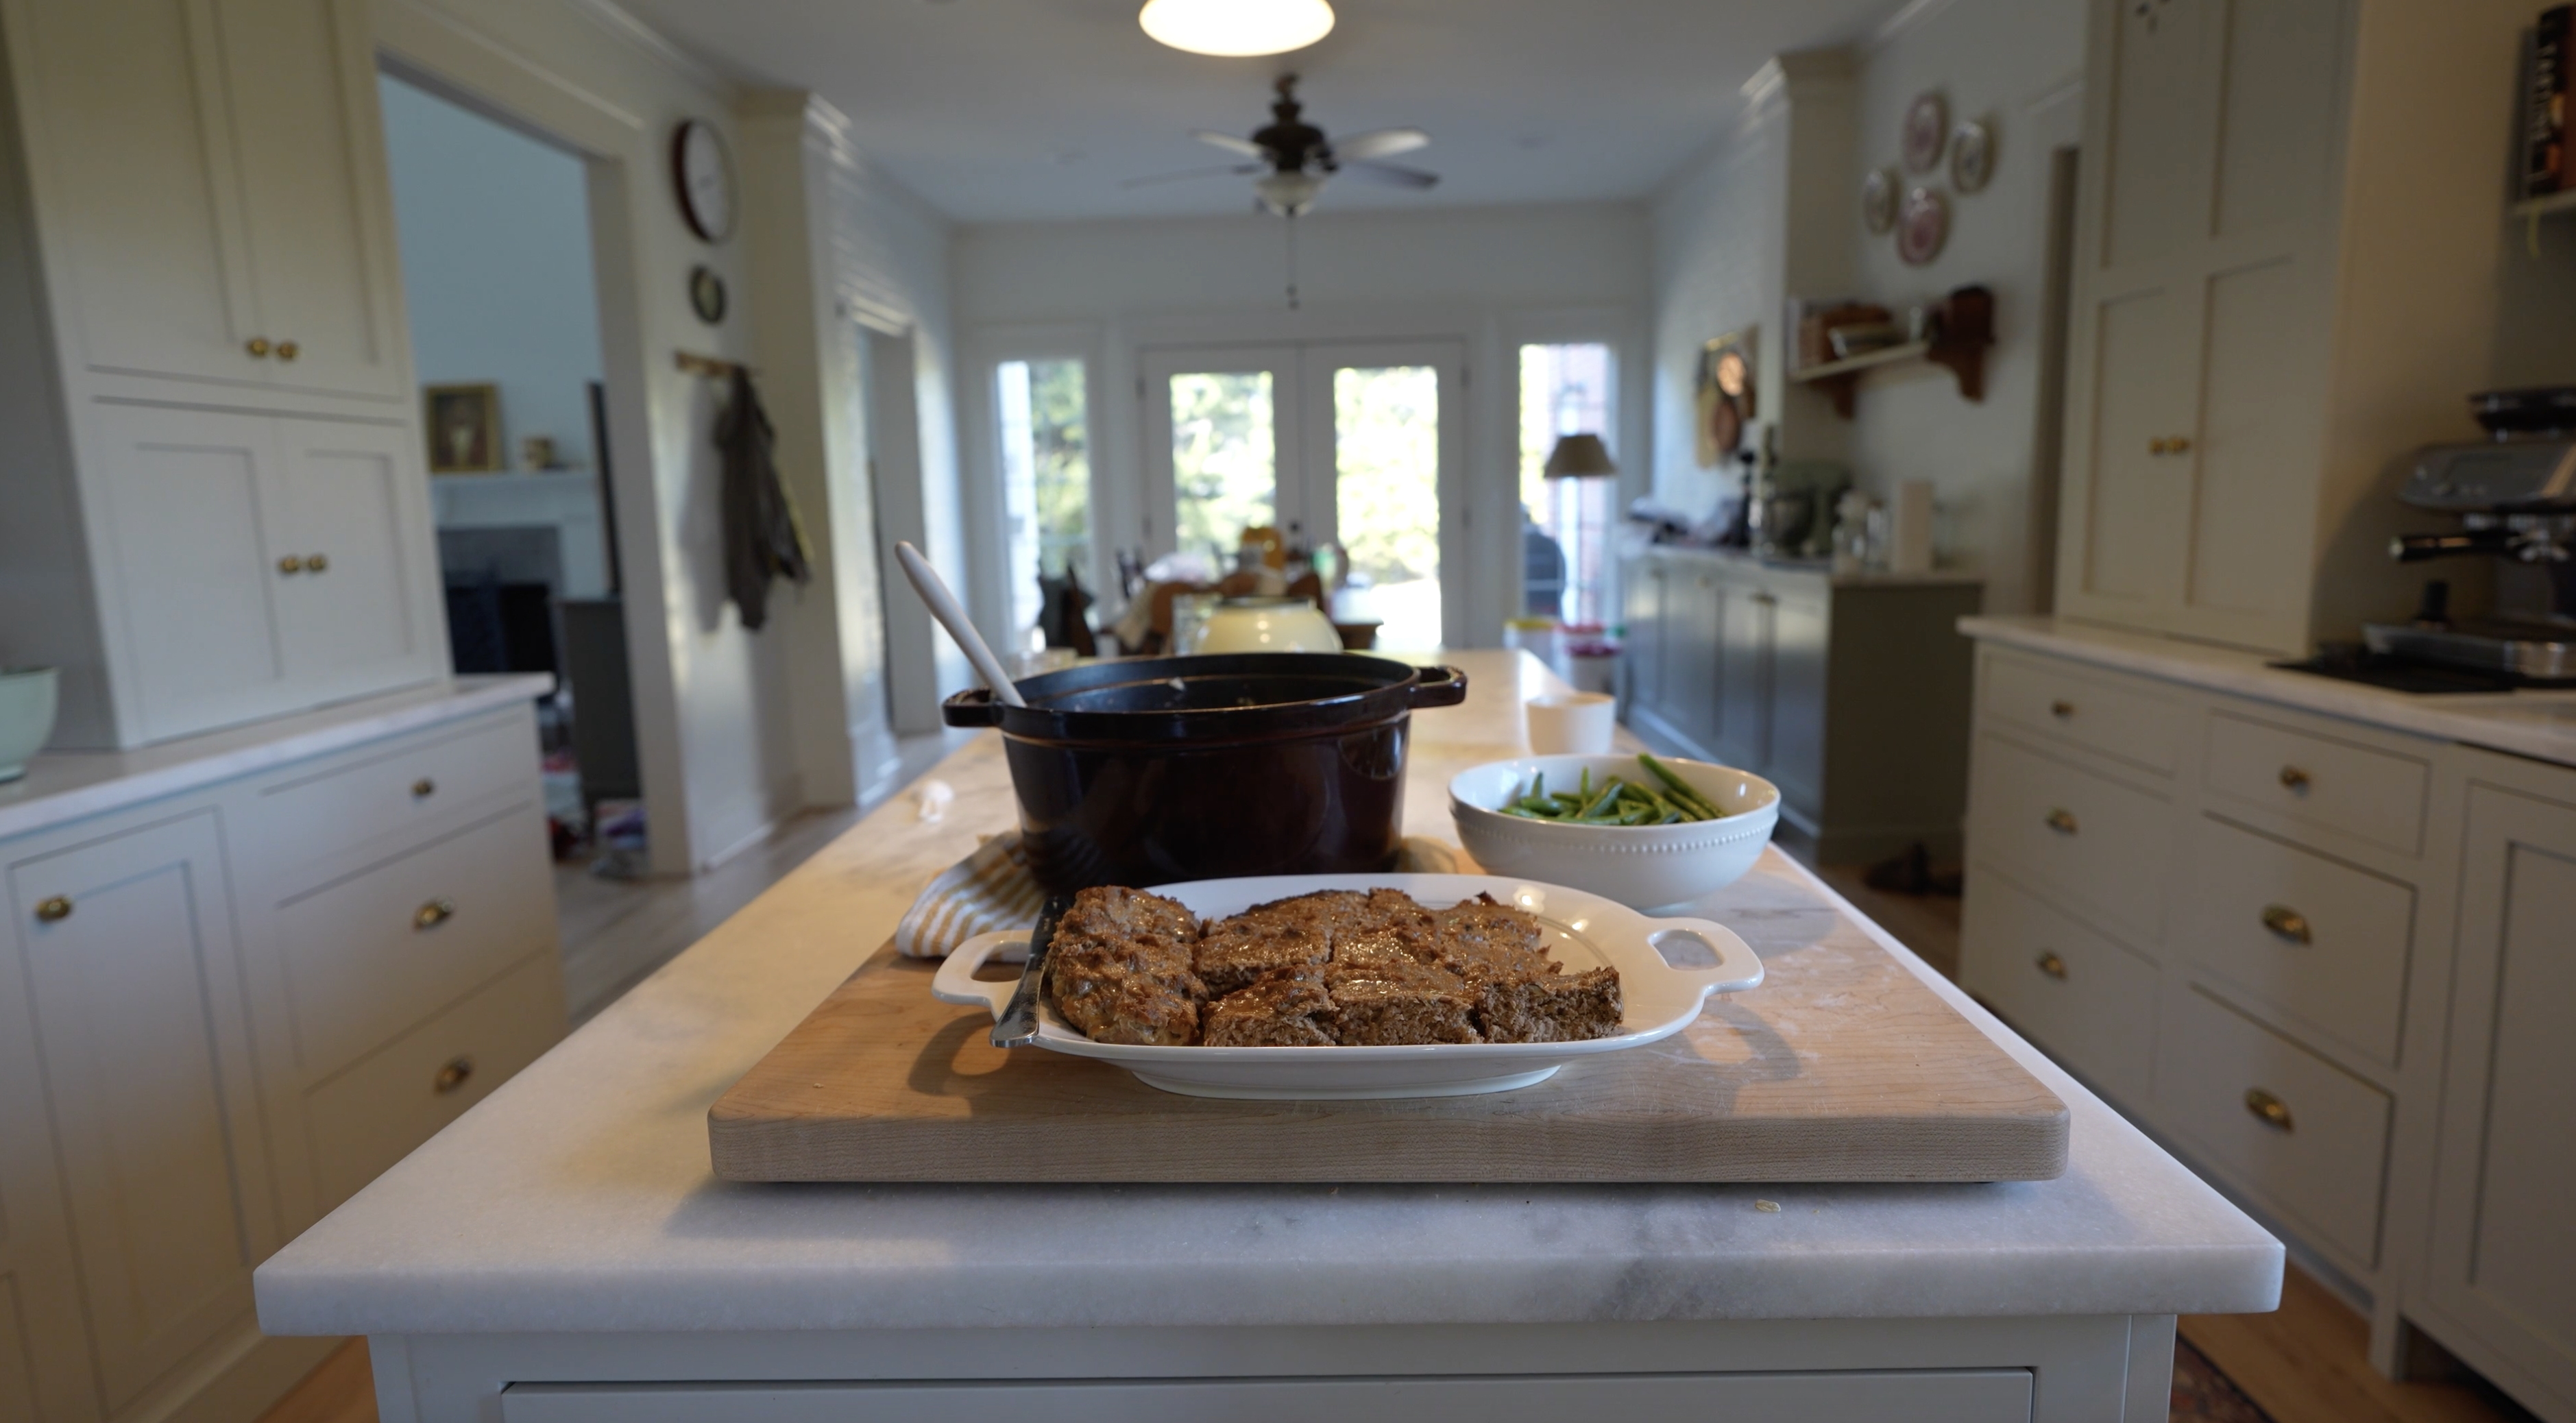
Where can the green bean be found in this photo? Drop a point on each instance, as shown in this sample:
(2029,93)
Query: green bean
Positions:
(1618,801)
(1682,790)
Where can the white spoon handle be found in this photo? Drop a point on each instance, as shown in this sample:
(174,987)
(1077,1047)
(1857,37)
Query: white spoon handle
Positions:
(944,606)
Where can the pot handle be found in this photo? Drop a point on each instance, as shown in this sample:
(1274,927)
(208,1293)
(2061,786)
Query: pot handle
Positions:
(973,707)
(1439,687)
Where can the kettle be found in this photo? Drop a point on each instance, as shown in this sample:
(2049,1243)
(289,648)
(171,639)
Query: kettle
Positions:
(1266,625)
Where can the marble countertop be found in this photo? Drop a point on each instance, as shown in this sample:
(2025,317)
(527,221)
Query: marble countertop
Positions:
(578,1197)
(2539,724)
(66,785)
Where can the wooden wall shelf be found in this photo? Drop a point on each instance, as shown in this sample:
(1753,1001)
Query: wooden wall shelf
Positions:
(2542,207)
(1967,329)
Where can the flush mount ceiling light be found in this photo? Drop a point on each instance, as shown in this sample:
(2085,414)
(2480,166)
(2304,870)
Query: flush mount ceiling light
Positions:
(1237,27)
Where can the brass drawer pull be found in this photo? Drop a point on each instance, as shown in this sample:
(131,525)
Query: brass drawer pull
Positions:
(2270,1110)
(54,910)
(452,1076)
(2289,923)
(290,565)
(288,350)
(2178,445)
(2061,821)
(433,914)
(2061,710)
(423,788)
(2050,964)
(315,563)
(257,346)
(2294,780)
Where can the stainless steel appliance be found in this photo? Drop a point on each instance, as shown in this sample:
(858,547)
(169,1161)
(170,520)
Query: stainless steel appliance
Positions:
(2515,497)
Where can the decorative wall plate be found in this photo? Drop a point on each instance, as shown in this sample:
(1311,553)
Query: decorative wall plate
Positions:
(1878,200)
(1923,226)
(1927,131)
(706,294)
(1972,156)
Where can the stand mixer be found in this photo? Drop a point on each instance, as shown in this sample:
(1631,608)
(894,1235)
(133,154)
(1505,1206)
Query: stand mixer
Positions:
(2516,500)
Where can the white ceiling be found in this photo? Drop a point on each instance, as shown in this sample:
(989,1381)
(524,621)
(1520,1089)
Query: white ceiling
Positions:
(1035,110)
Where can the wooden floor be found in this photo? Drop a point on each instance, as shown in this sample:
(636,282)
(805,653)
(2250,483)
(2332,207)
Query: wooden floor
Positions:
(2304,1364)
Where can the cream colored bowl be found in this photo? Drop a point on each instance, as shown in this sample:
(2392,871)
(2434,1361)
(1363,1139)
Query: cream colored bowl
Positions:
(1641,866)
(1267,625)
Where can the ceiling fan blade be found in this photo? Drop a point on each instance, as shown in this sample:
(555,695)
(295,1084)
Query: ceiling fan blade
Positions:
(1239,170)
(1383,143)
(1229,142)
(1389,175)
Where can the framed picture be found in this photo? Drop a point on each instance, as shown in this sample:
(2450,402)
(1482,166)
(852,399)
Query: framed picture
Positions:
(464,427)
(1725,395)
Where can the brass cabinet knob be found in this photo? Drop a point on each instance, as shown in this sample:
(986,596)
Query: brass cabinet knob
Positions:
(2178,445)
(257,346)
(2294,779)
(423,788)
(452,1076)
(290,565)
(2268,1109)
(288,350)
(54,910)
(2156,446)
(316,562)
(2061,710)
(433,914)
(2050,964)
(2289,923)
(2061,821)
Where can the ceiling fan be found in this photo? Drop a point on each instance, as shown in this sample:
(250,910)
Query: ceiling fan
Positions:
(1294,157)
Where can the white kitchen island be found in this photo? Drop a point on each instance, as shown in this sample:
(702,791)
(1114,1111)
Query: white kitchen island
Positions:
(564,1252)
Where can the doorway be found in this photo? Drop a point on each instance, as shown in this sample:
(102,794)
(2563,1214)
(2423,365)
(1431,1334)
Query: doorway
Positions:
(1359,444)
(494,228)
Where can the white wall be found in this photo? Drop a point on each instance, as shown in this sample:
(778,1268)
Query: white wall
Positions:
(1723,229)
(494,228)
(1491,278)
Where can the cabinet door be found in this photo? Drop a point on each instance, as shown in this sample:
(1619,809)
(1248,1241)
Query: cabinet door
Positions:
(1740,733)
(1692,630)
(130,959)
(351,504)
(315,201)
(192,563)
(122,105)
(44,1360)
(2503,1257)
(1797,712)
(1643,651)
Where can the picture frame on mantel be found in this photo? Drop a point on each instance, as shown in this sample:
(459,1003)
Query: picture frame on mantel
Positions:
(463,426)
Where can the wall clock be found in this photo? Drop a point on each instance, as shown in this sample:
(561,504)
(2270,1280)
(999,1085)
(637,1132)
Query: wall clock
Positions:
(1927,131)
(1923,226)
(703,168)
(1972,157)
(1878,200)
(706,294)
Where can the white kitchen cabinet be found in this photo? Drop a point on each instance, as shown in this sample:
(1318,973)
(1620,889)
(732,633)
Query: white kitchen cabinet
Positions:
(210,176)
(128,948)
(259,564)
(198,278)
(2500,1271)
(2244,361)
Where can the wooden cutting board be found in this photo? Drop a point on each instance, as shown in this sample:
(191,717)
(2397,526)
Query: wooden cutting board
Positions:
(1842,1066)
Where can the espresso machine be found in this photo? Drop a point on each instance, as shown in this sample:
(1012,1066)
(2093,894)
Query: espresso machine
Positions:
(2515,498)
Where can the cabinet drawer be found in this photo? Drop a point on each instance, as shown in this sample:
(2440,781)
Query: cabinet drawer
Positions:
(2077,836)
(2369,795)
(2094,711)
(372,954)
(2318,939)
(397,790)
(2319,1160)
(372,1115)
(2091,1003)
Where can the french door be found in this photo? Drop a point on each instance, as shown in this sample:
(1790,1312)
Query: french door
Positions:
(1355,443)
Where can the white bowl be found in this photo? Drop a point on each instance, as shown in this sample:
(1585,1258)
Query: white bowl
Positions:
(1641,866)
(26,717)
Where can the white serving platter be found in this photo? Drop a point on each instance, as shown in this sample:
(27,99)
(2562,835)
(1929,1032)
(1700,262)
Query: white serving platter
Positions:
(1582,931)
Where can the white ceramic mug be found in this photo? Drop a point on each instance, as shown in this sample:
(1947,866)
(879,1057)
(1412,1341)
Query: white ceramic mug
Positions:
(1572,723)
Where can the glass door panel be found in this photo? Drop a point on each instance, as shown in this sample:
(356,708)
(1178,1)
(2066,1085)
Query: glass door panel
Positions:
(1225,455)
(1386,496)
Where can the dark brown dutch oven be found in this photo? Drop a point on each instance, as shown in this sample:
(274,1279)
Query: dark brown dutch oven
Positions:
(1156,769)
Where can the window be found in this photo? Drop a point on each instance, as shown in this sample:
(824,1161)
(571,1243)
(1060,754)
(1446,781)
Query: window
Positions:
(1046,477)
(1565,390)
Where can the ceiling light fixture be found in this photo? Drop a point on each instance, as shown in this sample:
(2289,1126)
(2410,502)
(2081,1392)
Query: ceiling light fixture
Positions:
(1237,27)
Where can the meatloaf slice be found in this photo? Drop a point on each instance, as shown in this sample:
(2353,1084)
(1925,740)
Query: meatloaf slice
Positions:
(1281,1008)
(1121,967)
(1235,951)
(1131,1008)
(1382,995)
(1549,1008)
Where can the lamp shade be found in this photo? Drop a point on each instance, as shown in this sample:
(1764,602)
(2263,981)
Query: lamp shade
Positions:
(1237,27)
(1579,457)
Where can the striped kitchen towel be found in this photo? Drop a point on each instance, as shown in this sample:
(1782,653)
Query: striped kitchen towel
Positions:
(993,889)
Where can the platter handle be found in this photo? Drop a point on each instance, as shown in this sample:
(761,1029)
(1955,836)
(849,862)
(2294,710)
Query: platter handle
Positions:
(956,981)
(1737,969)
